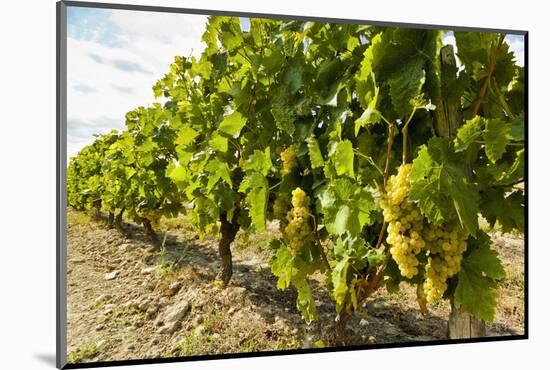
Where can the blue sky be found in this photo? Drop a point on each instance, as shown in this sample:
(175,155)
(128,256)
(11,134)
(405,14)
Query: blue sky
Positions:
(116,56)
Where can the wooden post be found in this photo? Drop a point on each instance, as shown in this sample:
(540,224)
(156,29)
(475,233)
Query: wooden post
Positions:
(447,120)
(463,325)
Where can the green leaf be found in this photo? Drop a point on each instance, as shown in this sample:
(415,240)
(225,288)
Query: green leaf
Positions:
(507,209)
(343,158)
(232,124)
(218,143)
(439,185)
(314,151)
(340,282)
(256,188)
(496,137)
(406,84)
(371,115)
(476,290)
(293,76)
(280,264)
(305,302)
(259,162)
(217,170)
(177,174)
(517,128)
(468,133)
(186,136)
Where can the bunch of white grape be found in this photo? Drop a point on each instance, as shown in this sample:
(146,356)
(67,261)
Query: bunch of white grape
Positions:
(289,156)
(405,223)
(446,244)
(298,231)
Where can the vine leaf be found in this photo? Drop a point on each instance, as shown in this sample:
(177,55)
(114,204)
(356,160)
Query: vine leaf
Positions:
(217,170)
(232,124)
(440,187)
(340,282)
(218,143)
(256,188)
(315,155)
(476,290)
(186,136)
(496,137)
(343,158)
(305,302)
(508,210)
(468,133)
(406,84)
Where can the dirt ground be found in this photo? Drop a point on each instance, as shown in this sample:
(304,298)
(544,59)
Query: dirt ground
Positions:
(126,300)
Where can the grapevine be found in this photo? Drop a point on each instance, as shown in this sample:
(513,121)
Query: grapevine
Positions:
(332,101)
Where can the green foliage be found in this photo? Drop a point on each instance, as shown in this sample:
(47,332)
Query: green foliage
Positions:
(476,291)
(333,93)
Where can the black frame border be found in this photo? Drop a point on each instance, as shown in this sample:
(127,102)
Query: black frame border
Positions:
(61,196)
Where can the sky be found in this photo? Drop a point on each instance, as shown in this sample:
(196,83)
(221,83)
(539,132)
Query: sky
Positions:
(114,57)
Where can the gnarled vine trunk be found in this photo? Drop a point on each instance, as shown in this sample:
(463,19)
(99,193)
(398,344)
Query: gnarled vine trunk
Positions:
(96,209)
(111,220)
(118,219)
(148,231)
(228,232)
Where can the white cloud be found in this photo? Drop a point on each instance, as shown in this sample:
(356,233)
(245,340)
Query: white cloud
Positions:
(107,79)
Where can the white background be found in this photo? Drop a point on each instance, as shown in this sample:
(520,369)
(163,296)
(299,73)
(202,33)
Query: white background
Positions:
(27,182)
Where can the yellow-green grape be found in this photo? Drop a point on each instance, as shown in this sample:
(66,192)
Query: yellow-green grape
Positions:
(298,230)
(281,206)
(289,156)
(446,244)
(405,223)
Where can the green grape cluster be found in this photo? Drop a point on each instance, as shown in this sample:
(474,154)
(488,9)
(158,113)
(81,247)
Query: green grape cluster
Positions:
(281,206)
(298,231)
(405,223)
(289,156)
(447,245)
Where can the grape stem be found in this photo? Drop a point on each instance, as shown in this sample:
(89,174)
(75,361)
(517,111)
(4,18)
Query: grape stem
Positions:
(405,132)
(369,159)
(388,154)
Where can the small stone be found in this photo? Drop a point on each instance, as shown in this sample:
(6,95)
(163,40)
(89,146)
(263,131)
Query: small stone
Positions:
(216,336)
(175,286)
(294,331)
(147,270)
(363,322)
(169,328)
(177,312)
(102,298)
(372,340)
(144,305)
(307,342)
(231,310)
(111,275)
(99,327)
